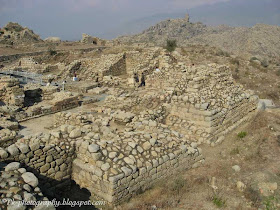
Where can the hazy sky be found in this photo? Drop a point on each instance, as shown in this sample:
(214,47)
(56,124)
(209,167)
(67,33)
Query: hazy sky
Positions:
(68,19)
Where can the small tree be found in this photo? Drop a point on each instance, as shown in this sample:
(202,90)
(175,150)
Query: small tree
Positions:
(171,45)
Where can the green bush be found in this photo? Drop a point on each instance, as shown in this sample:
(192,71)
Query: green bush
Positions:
(253,59)
(218,201)
(171,45)
(242,134)
(270,203)
(52,51)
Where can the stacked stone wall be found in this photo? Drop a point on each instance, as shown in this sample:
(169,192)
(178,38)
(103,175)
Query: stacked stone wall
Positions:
(116,69)
(10,92)
(91,69)
(52,164)
(137,61)
(115,165)
(132,180)
(205,102)
(204,126)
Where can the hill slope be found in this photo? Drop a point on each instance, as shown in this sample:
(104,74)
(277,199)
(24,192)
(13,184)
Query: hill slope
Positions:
(261,39)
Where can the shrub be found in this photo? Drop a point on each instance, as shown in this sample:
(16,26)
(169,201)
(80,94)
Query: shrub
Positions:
(235,61)
(271,203)
(218,201)
(171,45)
(222,53)
(177,185)
(18,29)
(202,51)
(242,134)
(235,151)
(253,195)
(226,54)
(253,59)
(264,63)
(52,51)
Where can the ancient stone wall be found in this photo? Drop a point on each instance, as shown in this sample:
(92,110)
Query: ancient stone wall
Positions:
(52,164)
(205,102)
(10,92)
(87,39)
(209,126)
(117,68)
(137,61)
(94,69)
(7,137)
(30,64)
(131,179)
(74,119)
(113,164)
(61,101)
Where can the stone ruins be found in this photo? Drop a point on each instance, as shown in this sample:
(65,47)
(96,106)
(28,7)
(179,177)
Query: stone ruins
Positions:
(108,135)
(87,39)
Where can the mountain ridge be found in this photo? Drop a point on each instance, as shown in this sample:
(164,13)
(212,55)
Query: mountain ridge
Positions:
(259,40)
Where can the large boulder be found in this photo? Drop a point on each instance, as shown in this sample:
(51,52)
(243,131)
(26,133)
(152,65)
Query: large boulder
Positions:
(30,179)
(12,166)
(265,104)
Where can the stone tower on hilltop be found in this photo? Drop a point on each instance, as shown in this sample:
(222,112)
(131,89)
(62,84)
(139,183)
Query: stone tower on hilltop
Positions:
(187,17)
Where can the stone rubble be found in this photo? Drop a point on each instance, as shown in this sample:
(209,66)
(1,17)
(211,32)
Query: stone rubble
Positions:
(19,185)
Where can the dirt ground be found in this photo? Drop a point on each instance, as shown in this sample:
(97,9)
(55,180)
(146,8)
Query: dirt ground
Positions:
(214,185)
(63,46)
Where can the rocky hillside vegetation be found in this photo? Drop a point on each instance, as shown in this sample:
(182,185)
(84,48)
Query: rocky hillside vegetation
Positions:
(260,40)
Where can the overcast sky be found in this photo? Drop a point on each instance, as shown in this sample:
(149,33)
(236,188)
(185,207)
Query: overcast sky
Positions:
(68,19)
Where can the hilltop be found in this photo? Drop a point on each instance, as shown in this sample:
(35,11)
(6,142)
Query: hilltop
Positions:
(13,33)
(259,40)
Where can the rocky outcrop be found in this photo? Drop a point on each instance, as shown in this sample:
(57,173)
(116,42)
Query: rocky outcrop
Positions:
(13,33)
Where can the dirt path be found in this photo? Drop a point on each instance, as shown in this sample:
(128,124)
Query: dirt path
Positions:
(36,125)
(41,124)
